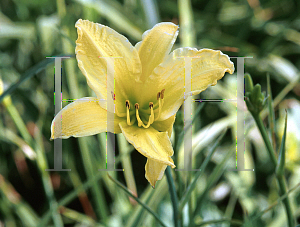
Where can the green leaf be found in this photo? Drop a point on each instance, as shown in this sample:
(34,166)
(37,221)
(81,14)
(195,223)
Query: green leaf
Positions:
(173,196)
(281,158)
(114,12)
(194,117)
(271,112)
(231,221)
(261,213)
(192,186)
(151,12)
(138,200)
(214,176)
(30,73)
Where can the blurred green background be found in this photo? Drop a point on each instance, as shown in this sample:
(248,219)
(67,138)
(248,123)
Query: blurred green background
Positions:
(30,30)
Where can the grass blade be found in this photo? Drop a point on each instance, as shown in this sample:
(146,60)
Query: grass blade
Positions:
(192,186)
(173,195)
(215,175)
(30,73)
(281,159)
(231,221)
(281,180)
(151,12)
(138,200)
(271,112)
(275,203)
(114,13)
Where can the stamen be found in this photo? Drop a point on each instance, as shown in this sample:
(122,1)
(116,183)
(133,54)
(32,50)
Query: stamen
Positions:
(162,93)
(140,122)
(158,95)
(128,113)
(127,103)
(151,118)
(162,97)
(159,109)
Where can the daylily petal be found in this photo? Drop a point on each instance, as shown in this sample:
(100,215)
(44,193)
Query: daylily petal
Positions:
(149,142)
(154,171)
(207,68)
(83,117)
(94,45)
(165,125)
(156,44)
(138,45)
(170,130)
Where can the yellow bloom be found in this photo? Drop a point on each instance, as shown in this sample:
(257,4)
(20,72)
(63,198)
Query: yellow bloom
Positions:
(149,88)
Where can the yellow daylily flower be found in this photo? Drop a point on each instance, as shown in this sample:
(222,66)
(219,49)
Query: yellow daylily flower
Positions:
(149,88)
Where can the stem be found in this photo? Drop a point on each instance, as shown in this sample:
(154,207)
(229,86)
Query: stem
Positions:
(265,137)
(280,178)
(286,201)
(186,22)
(174,198)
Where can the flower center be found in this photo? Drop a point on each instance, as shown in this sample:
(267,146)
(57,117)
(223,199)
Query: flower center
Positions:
(153,117)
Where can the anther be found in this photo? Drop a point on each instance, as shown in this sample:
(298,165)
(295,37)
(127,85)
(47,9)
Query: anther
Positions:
(137,106)
(150,105)
(127,104)
(162,93)
(158,95)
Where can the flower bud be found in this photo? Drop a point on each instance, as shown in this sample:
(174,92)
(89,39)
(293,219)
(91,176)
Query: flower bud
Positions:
(248,83)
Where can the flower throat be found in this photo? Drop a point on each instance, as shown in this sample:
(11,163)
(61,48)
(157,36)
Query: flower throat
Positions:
(153,117)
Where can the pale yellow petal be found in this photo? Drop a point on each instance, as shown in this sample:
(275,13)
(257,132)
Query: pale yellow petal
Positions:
(207,68)
(83,117)
(154,171)
(96,45)
(155,46)
(165,125)
(149,142)
(170,130)
(137,45)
